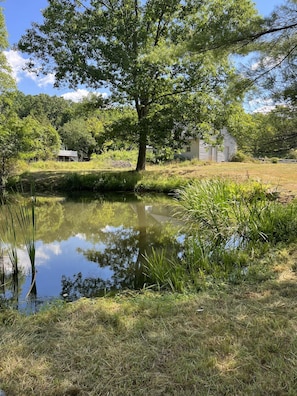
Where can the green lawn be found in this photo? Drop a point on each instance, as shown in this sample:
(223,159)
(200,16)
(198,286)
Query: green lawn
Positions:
(238,339)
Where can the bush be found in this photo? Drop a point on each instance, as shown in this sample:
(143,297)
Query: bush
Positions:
(239,157)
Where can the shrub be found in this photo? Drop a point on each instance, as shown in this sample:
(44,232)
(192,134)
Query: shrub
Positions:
(239,157)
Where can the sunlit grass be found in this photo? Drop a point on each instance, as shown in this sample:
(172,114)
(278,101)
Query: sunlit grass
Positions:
(48,175)
(237,341)
(229,340)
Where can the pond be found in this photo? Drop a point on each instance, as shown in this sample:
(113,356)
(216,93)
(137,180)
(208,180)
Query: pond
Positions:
(87,246)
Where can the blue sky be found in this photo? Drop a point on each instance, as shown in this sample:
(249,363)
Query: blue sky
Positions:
(19,14)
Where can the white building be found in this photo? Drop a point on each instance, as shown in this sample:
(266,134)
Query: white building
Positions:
(68,156)
(198,148)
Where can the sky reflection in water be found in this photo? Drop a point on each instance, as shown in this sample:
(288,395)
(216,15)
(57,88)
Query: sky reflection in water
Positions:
(87,246)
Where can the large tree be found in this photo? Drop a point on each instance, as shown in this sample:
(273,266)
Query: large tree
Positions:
(139,51)
(7,83)
(275,48)
(10,126)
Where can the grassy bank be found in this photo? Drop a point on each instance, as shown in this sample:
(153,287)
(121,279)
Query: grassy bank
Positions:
(239,341)
(94,176)
(228,339)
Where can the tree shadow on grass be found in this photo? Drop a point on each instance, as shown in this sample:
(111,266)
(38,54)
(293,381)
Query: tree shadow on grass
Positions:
(159,344)
(96,181)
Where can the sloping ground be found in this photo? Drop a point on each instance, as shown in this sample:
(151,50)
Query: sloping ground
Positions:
(232,340)
(237,341)
(281,177)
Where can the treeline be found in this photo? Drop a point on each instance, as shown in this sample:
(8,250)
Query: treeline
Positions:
(88,127)
(93,126)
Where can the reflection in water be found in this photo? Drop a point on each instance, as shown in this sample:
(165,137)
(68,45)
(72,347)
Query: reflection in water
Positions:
(86,247)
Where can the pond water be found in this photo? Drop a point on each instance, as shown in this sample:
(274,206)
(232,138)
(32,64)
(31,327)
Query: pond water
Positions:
(87,246)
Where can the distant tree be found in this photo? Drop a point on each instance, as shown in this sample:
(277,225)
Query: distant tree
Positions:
(7,82)
(10,126)
(139,50)
(89,105)
(40,141)
(44,108)
(75,136)
(277,132)
(244,127)
(11,141)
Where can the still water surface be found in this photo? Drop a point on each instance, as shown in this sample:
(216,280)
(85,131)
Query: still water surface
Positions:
(89,245)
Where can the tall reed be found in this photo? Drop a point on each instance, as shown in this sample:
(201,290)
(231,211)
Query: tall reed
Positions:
(11,237)
(26,218)
(223,209)
(230,226)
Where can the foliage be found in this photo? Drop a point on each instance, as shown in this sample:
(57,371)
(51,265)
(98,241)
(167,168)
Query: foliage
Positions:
(231,226)
(239,157)
(7,83)
(274,63)
(75,137)
(41,141)
(277,132)
(11,140)
(44,108)
(138,51)
(9,126)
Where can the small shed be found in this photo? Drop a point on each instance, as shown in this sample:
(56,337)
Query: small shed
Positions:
(68,156)
(198,148)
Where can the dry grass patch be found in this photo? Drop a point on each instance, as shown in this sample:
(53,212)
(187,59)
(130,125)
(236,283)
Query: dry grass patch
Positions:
(280,176)
(241,341)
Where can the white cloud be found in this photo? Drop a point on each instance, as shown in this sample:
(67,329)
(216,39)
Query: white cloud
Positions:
(78,95)
(44,253)
(264,109)
(267,62)
(18,63)
(18,66)
(261,105)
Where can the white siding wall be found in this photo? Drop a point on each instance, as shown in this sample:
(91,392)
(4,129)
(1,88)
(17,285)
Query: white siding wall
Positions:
(197,148)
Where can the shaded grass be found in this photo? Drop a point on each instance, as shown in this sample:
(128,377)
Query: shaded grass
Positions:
(51,176)
(239,341)
(103,181)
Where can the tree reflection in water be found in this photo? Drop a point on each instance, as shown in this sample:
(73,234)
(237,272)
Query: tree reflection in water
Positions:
(123,253)
(101,240)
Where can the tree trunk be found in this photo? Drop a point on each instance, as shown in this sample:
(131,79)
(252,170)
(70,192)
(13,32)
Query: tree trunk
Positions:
(141,150)
(142,111)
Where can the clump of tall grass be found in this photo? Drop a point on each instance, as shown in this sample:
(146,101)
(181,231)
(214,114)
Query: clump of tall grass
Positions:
(164,272)
(103,181)
(26,217)
(20,227)
(230,227)
(224,209)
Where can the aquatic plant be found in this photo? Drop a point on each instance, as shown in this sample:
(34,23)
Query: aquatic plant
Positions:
(230,227)
(224,209)
(164,272)
(26,218)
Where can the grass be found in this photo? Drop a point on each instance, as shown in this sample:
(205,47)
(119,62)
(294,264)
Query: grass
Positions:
(50,176)
(229,340)
(239,341)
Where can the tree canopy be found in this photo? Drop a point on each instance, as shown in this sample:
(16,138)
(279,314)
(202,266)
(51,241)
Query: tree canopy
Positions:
(275,61)
(151,54)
